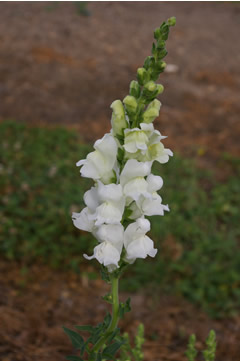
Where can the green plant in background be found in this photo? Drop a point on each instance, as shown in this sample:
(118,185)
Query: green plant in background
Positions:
(208,354)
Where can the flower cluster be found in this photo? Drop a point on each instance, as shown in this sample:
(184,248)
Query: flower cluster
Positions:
(125,190)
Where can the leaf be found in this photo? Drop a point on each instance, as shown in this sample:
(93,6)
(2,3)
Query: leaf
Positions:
(124,307)
(113,335)
(74,358)
(110,350)
(76,339)
(86,328)
(108,298)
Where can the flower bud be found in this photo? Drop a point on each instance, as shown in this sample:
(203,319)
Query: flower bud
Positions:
(135,89)
(151,86)
(152,111)
(171,21)
(119,122)
(157,33)
(160,88)
(130,103)
(142,75)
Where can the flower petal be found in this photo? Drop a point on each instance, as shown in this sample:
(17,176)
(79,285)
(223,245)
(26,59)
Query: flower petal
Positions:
(110,192)
(109,212)
(133,169)
(135,187)
(155,183)
(91,199)
(83,220)
(106,254)
(112,233)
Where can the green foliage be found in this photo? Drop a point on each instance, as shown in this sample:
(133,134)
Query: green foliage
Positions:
(191,352)
(133,353)
(198,240)
(208,354)
(113,341)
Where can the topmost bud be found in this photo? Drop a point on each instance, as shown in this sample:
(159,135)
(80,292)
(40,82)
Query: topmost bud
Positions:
(171,21)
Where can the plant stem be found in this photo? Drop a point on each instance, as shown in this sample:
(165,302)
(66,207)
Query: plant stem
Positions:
(115,315)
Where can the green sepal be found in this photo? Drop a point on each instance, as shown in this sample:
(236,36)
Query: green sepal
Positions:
(76,339)
(74,358)
(124,307)
(120,154)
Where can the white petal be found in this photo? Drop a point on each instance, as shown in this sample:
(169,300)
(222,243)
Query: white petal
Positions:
(83,220)
(140,248)
(109,212)
(151,207)
(106,254)
(135,187)
(91,199)
(164,157)
(107,146)
(135,230)
(109,192)
(112,233)
(133,169)
(154,183)
(93,166)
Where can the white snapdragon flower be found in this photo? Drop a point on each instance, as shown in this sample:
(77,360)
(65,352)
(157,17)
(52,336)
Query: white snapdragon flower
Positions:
(108,252)
(132,179)
(100,163)
(136,243)
(105,204)
(150,205)
(144,144)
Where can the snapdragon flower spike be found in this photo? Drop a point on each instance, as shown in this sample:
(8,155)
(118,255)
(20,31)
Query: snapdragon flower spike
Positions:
(125,191)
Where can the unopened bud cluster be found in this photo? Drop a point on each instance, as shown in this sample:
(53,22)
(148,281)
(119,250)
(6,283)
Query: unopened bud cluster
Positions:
(125,190)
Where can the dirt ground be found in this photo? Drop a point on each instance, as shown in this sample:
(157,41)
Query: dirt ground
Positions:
(35,305)
(59,68)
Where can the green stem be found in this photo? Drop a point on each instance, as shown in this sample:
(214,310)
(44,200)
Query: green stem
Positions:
(115,316)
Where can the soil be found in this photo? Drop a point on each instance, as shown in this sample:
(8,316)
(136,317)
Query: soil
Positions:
(34,306)
(60,68)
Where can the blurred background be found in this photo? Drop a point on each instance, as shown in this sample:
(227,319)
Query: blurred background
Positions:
(61,66)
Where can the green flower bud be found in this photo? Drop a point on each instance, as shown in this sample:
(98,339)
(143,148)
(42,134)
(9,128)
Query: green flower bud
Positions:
(142,75)
(152,111)
(130,103)
(135,89)
(157,33)
(151,86)
(171,21)
(119,122)
(160,88)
